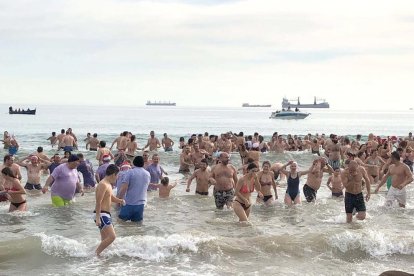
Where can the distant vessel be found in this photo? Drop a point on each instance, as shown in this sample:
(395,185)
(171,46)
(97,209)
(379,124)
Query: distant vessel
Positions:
(289,115)
(256,105)
(22,111)
(164,103)
(286,104)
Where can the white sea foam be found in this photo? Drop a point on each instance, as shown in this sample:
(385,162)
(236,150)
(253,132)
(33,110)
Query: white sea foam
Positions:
(373,242)
(56,245)
(149,248)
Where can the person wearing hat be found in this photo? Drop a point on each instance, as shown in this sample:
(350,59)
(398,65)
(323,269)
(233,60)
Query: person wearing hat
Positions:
(34,168)
(64,181)
(100,172)
(134,190)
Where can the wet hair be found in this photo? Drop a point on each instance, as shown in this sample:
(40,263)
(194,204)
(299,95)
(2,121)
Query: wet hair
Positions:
(133,138)
(102,144)
(251,166)
(181,139)
(204,160)
(395,155)
(7,157)
(53,133)
(39,149)
(62,131)
(112,169)
(138,161)
(79,155)
(7,171)
(190,141)
(165,181)
(95,135)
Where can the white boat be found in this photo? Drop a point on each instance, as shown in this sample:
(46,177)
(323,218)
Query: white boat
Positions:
(289,115)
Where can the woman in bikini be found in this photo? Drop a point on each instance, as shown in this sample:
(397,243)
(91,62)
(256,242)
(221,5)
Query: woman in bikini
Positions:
(267,180)
(14,190)
(292,195)
(373,165)
(245,186)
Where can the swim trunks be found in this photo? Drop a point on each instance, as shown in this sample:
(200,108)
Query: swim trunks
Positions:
(30,186)
(68,148)
(335,164)
(354,201)
(309,193)
(168,149)
(339,194)
(223,197)
(58,201)
(396,194)
(202,193)
(105,218)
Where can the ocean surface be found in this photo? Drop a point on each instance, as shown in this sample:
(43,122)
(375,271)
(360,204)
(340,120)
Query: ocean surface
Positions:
(185,234)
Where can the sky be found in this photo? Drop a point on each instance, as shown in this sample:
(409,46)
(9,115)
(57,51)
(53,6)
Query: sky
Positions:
(354,54)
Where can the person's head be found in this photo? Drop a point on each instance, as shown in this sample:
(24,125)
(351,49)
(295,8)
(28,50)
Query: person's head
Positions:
(187,149)
(88,134)
(6,171)
(66,154)
(293,166)
(181,139)
(125,133)
(155,158)
(165,135)
(56,158)
(39,149)
(358,137)
(152,133)
(133,137)
(165,181)
(53,133)
(34,160)
(102,144)
(138,161)
(8,159)
(266,166)
(190,141)
(95,135)
(196,147)
(252,168)
(80,156)
(145,155)
(62,131)
(337,171)
(395,157)
(224,158)
(73,161)
(353,166)
(203,164)
(111,173)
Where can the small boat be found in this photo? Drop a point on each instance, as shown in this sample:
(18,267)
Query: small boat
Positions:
(22,111)
(289,115)
(288,104)
(256,105)
(163,103)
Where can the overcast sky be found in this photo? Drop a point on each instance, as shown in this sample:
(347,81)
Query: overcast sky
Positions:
(355,54)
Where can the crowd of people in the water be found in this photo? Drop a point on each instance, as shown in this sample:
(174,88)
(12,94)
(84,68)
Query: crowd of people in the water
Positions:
(353,166)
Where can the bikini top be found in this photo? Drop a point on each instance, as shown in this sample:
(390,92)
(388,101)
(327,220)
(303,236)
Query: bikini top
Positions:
(262,183)
(245,189)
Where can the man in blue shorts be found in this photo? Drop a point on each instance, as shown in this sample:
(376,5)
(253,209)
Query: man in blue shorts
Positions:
(134,190)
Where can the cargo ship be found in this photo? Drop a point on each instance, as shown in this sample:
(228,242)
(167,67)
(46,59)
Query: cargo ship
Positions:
(162,103)
(286,104)
(256,105)
(22,111)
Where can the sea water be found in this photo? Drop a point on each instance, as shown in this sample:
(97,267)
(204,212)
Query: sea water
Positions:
(185,234)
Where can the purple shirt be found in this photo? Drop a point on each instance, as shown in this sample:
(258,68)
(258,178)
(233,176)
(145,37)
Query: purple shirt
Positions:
(65,180)
(155,173)
(101,171)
